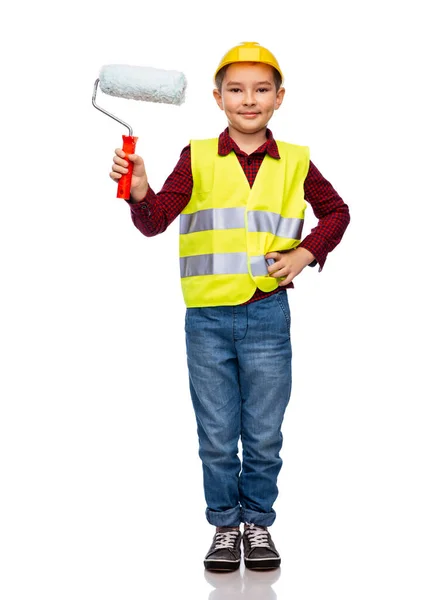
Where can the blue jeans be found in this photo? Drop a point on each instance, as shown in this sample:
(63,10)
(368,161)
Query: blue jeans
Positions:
(239,362)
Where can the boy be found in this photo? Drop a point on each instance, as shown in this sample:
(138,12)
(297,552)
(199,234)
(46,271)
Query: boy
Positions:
(240,249)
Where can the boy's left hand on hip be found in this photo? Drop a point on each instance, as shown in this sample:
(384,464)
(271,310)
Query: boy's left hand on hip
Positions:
(289,264)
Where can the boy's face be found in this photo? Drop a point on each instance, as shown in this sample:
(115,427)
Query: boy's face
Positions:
(249,96)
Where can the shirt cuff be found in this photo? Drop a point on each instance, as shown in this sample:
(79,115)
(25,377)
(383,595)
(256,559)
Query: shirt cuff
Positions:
(145,205)
(317,249)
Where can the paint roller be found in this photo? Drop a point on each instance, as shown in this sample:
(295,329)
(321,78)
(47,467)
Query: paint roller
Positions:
(146,84)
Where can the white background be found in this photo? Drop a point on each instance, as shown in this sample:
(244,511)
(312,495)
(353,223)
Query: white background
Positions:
(101,489)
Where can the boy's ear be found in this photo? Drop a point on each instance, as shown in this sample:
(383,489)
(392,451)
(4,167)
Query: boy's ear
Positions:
(279,97)
(218,98)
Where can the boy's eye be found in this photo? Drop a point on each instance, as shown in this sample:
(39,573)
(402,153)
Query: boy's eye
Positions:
(261,90)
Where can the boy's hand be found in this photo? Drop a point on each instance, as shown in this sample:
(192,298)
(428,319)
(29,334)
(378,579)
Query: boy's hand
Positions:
(289,264)
(139,181)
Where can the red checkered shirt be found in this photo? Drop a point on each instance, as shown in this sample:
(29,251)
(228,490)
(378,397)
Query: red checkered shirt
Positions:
(157,211)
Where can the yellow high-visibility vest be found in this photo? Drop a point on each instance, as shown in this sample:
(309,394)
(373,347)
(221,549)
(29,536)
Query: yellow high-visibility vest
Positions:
(227,228)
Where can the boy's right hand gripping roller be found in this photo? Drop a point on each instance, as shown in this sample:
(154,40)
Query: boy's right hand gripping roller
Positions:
(138,83)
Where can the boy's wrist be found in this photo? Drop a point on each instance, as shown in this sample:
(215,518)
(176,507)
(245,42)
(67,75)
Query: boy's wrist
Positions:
(309,257)
(138,195)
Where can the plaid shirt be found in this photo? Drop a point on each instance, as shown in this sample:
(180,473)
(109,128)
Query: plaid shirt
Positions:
(156,212)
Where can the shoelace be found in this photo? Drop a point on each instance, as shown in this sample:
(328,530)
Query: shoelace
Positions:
(225,539)
(258,538)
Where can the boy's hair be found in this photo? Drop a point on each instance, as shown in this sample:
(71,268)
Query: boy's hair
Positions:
(220,76)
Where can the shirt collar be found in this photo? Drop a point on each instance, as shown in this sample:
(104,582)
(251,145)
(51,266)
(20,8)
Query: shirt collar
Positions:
(227,144)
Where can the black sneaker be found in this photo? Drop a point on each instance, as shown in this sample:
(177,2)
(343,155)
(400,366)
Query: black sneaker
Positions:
(259,549)
(225,551)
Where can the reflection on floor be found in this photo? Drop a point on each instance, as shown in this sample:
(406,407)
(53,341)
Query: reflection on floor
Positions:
(243,584)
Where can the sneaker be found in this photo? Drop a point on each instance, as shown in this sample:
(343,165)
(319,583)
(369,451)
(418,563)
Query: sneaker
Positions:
(259,549)
(225,551)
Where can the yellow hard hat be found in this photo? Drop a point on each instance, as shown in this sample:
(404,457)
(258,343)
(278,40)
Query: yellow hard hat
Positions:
(249,52)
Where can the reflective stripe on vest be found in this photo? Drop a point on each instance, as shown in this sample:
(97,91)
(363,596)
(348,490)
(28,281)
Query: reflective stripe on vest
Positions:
(212,218)
(261,220)
(258,265)
(232,263)
(233,218)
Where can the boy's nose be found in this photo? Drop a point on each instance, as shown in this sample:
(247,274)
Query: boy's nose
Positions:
(249,99)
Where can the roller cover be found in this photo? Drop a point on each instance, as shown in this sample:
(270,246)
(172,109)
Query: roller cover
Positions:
(143,83)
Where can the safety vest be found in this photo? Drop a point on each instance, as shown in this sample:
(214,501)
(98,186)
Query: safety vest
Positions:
(227,227)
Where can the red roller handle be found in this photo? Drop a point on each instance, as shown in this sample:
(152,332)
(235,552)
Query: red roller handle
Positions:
(124,185)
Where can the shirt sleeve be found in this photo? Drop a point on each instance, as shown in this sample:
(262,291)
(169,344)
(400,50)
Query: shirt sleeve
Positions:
(332,213)
(157,211)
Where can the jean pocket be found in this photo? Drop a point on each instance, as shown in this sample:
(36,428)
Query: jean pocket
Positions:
(282,300)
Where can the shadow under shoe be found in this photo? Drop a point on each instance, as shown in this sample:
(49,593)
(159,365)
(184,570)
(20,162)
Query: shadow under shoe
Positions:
(225,551)
(259,550)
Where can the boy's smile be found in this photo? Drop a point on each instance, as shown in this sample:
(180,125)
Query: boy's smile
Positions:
(248,97)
